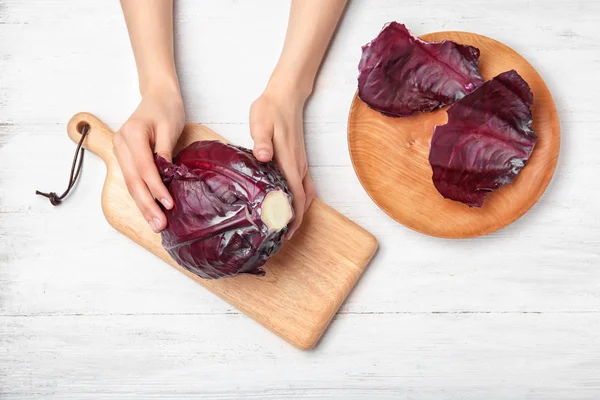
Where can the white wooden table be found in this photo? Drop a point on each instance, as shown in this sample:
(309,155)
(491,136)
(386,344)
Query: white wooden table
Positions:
(87,314)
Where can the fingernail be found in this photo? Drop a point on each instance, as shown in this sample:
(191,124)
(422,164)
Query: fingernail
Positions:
(289,235)
(167,203)
(264,154)
(154,224)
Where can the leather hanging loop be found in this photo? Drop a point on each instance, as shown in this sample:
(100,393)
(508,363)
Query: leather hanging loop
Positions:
(55,199)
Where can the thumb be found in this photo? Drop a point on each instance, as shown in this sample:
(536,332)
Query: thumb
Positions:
(164,143)
(263,141)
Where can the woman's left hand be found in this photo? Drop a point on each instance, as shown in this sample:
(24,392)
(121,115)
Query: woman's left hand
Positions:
(276,126)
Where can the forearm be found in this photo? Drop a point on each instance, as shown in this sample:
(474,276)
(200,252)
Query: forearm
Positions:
(150,26)
(310,27)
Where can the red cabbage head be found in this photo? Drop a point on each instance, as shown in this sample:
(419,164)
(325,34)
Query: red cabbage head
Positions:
(231,211)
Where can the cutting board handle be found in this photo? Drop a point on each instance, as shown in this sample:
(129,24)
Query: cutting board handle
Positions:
(99,138)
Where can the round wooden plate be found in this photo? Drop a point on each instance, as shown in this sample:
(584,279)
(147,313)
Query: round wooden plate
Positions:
(390,156)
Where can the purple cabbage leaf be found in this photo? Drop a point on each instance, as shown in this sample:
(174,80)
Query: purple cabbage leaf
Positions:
(487,141)
(401,75)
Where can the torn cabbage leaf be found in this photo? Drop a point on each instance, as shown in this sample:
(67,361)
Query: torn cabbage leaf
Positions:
(487,141)
(401,75)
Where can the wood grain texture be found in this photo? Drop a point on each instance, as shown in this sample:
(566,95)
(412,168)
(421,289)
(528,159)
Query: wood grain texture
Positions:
(305,283)
(390,155)
(87,314)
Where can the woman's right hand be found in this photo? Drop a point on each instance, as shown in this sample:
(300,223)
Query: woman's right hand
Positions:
(155,126)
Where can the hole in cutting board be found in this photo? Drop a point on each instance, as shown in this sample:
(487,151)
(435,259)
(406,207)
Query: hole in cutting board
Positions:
(82,127)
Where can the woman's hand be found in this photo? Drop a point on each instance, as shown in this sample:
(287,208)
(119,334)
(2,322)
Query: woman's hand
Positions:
(276,117)
(158,121)
(276,125)
(155,126)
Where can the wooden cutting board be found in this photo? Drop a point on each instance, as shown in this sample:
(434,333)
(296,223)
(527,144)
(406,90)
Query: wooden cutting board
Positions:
(390,155)
(305,283)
